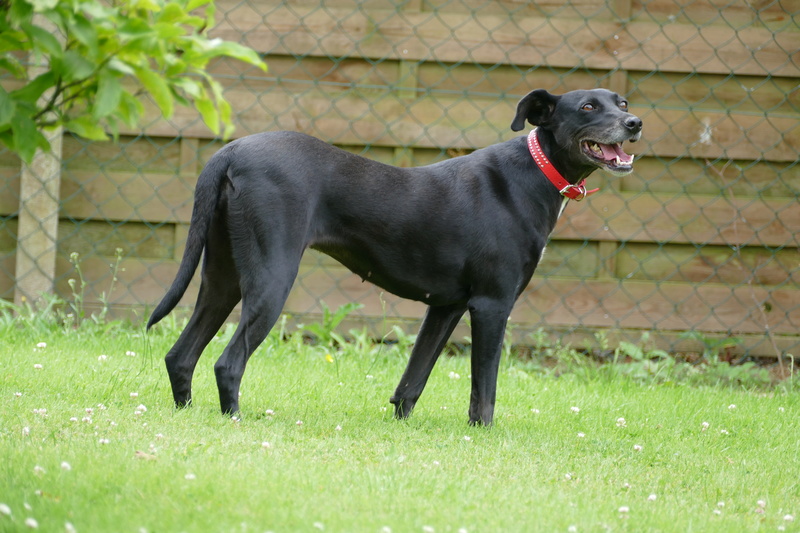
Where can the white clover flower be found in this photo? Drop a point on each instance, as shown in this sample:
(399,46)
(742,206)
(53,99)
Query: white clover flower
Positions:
(652,498)
(73,419)
(575,409)
(26,431)
(69,528)
(5,509)
(720,504)
(103,441)
(454,375)
(704,426)
(467,438)
(624,509)
(717,511)
(41,345)
(38,470)
(89,411)
(266,444)
(66,466)
(761,503)
(269,412)
(130,353)
(87,419)
(572,529)
(338,428)
(535,411)
(626,486)
(732,406)
(31,523)
(159,436)
(190,476)
(370,376)
(724,431)
(102,357)
(17,394)
(621,423)
(637,447)
(299,423)
(788,518)
(581,435)
(37,366)
(134,395)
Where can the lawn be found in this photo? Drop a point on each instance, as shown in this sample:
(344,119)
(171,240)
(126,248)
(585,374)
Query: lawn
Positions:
(90,442)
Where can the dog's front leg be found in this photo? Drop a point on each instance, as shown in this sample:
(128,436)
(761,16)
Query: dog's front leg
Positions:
(489,318)
(437,327)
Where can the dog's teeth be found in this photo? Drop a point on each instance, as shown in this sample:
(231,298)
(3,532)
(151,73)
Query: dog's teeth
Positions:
(618,162)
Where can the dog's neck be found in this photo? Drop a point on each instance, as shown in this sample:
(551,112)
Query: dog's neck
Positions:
(573,191)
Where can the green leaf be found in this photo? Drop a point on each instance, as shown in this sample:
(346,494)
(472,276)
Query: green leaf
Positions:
(7,107)
(130,109)
(43,5)
(218,47)
(83,30)
(194,4)
(87,128)
(209,113)
(73,67)
(27,137)
(19,13)
(43,40)
(109,91)
(13,66)
(31,92)
(158,89)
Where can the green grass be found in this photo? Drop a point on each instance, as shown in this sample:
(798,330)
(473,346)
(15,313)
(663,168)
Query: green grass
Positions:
(350,467)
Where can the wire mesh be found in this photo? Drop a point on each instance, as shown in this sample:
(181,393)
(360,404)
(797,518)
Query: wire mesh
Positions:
(701,237)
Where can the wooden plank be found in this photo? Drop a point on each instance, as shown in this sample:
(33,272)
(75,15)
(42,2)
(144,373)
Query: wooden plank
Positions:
(718,177)
(141,282)
(349,117)
(609,216)
(660,306)
(521,40)
(709,264)
(592,303)
(640,217)
(731,13)
(100,237)
(119,196)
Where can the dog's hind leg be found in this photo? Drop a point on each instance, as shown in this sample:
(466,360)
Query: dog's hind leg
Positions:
(265,290)
(219,293)
(437,327)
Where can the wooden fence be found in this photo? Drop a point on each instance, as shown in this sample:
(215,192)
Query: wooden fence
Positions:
(701,237)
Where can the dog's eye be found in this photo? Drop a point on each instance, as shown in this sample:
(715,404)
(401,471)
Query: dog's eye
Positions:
(588,107)
(623,105)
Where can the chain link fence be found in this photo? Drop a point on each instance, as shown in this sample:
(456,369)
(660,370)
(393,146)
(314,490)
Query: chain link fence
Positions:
(702,237)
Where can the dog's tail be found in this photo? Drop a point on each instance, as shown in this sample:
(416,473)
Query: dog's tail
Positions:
(206,194)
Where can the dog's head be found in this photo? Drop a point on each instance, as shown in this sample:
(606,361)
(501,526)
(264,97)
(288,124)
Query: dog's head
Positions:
(591,125)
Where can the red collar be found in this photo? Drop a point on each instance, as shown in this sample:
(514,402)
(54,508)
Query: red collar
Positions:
(568,190)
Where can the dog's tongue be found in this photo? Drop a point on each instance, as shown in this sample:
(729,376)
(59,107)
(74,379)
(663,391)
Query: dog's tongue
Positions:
(612,151)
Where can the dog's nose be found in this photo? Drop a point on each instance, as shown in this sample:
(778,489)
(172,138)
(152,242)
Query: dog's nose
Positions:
(634,124)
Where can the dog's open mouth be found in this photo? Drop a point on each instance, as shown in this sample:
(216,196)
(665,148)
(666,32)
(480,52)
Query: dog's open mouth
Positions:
(608,156)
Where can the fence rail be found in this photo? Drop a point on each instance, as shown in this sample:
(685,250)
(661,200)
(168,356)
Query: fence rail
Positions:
(701,237)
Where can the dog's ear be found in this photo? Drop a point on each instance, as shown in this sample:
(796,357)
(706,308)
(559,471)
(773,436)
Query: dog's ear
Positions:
(536,107)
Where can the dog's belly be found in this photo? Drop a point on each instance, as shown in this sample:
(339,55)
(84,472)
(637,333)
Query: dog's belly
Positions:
(431,283)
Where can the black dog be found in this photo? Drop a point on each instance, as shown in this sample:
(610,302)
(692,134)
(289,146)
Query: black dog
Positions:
(462,234)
